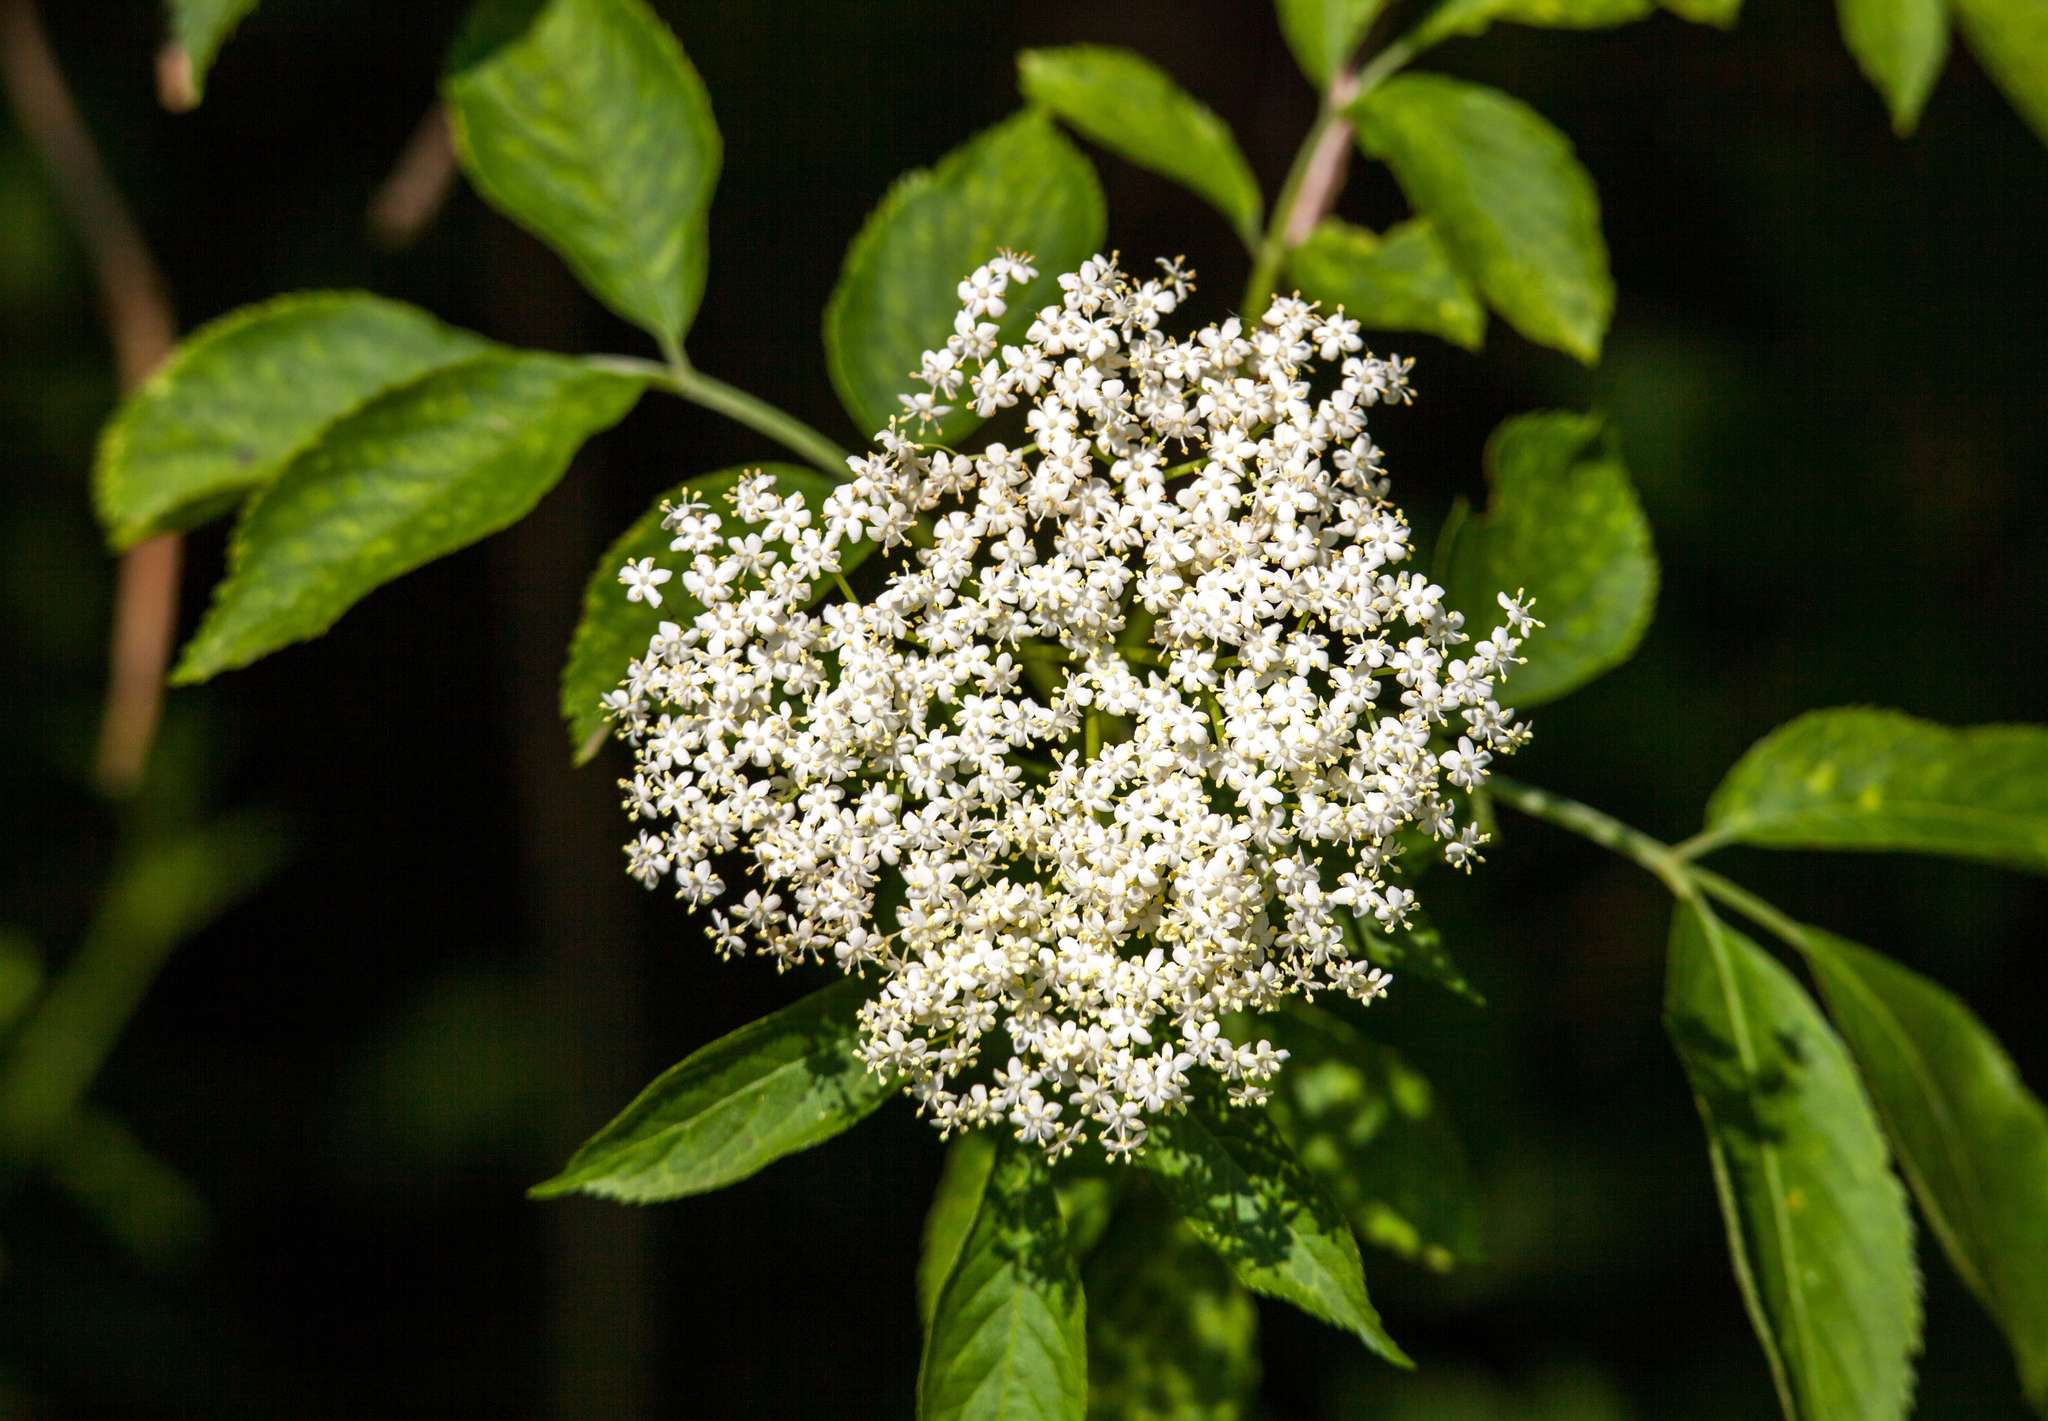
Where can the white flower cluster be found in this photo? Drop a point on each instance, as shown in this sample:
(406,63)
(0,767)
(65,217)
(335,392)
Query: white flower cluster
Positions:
(1121,745)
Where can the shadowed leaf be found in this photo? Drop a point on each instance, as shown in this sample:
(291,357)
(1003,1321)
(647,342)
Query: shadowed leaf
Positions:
(1171,1335)
(1972,1137)
(1371,1130)
(1007,1339)
(1817,1223)
(1231,1176)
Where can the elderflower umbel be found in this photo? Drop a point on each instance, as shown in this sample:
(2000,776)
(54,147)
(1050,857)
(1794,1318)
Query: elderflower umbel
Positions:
(1125,738)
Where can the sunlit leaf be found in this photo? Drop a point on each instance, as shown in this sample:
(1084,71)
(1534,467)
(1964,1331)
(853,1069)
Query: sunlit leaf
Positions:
(1007,1340)
(1900,46)
(1879,780)
(1817,1222)
(1171,1335)
(1019,185)
(1561,523)
(1517,212)
(1470,17)
(1402,281)
(1972,1137)
(1132,107)
(241,396)
(2010,39)
(1231,1176)
(1324,33)
(419,471)
(584,122)
(730,1109)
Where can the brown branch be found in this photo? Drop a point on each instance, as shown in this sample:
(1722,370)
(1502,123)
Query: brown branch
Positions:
(1323,179)
(137,308)
(176,89)
(412,196)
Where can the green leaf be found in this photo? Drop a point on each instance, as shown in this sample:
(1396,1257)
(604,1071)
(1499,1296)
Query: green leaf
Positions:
(1722,14)
(423,469)
(244,394)
(21,976)
(955,1202)
(201,27)
(1562,523)
(1403,281)
(148,1207)
(1514,207)
(1171,1335)
(1900,46)
(1134,108)
(1470,17)
(1370,1129)
(1325,33)
(1878,780)
(730,1109)
(1817,1222)
(1019,185)
(1231,1176)
(614,631)
(2010,39)
(1007,1340)
(1090,1188)
(583,121)
(1972,1137)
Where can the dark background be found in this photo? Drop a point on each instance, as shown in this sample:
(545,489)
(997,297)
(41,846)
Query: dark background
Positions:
(1828,373)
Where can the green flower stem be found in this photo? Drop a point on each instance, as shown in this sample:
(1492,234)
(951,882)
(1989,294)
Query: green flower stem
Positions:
(1384,65)
(1704,842)
(682,378)
(1603,829)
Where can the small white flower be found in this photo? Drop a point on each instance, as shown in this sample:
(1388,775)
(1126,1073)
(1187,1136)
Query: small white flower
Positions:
(643,581)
